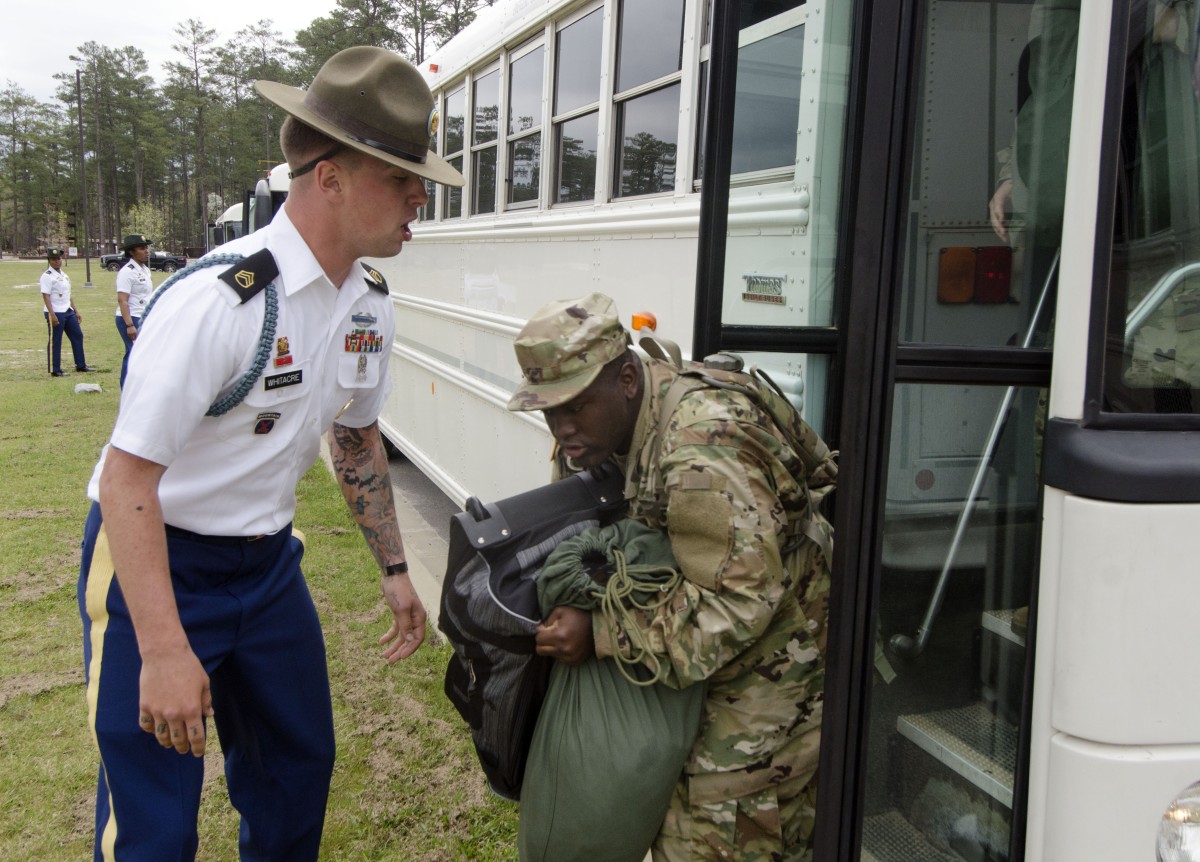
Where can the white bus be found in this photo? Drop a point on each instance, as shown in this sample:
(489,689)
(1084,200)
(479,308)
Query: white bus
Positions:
(1016,404)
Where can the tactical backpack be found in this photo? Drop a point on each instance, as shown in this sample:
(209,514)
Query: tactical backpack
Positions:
(808,537)
(724,371)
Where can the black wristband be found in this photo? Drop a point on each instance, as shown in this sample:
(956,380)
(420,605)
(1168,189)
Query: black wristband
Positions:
(395,569)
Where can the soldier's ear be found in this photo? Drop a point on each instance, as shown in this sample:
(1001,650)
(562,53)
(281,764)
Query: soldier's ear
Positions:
(629,379)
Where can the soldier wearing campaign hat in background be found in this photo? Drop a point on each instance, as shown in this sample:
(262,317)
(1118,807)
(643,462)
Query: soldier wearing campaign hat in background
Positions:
(61,316)
(133,291)
(192,598)
(733,490)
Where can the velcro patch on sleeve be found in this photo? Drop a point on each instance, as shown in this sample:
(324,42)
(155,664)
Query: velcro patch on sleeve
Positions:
(700,523)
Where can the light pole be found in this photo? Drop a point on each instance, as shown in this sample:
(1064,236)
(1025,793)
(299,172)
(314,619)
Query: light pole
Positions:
(87,255)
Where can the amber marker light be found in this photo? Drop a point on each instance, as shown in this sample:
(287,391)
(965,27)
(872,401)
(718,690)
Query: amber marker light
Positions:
(644,320)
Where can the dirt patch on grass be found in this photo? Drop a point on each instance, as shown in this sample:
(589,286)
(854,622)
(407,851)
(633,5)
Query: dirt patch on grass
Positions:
(31,514)
(25,587)
(22,684)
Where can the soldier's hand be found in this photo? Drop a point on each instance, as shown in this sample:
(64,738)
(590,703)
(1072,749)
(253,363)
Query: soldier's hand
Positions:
(566,635)
(998,209)
(174,700)
(408,618)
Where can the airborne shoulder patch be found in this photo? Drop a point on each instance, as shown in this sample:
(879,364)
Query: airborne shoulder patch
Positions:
(375,279)
(252,275)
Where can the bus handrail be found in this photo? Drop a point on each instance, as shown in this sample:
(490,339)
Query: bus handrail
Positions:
(1156,297)
(911,647)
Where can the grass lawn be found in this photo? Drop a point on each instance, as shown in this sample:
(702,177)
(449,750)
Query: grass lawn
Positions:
(406,785)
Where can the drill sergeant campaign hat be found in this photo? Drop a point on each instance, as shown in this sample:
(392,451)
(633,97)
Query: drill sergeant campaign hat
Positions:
(562,349)
(374,101)
(134,240)
(53,253)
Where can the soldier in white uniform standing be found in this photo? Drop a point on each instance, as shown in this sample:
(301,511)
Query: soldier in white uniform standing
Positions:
(61,316)
(191,594)
(133,290)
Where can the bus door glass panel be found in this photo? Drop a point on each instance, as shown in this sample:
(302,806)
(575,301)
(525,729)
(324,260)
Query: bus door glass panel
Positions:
(455,132)
(484,130)
(1152,363)
(768,102)
(577,107)
(788,133)
(954,586)
(989,172)
(525,126)
(958,559)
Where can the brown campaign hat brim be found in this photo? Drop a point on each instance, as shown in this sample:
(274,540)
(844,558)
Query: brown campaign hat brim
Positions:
(292,100)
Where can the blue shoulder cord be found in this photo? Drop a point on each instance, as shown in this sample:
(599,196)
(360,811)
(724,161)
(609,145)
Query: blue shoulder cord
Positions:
(270,317)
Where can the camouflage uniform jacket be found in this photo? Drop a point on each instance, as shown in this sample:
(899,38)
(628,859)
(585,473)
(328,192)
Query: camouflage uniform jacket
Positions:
(724,488)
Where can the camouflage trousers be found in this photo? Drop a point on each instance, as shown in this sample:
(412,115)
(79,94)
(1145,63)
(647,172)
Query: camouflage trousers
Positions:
(771,825)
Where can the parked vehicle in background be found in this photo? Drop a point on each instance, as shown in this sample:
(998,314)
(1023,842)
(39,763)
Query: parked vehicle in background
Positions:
(163,261)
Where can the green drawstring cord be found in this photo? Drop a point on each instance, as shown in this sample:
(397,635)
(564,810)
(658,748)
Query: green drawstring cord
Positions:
(621,595)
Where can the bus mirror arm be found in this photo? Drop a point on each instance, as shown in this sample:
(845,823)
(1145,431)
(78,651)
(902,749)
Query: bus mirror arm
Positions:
(911,647)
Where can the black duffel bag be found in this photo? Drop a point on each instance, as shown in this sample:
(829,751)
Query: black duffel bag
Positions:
(489,610)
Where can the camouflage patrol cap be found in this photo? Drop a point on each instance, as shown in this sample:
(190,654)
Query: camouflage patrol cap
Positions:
(562,349)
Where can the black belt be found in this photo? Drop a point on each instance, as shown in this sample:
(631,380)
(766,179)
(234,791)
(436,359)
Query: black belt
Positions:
(227,541)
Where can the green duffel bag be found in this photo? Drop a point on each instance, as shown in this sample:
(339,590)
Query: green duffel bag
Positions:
(611,741)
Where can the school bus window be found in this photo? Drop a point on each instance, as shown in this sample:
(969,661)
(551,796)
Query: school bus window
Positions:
(576,107)
(576,168)
(483,164)
(454,193)
(577,69)
(524,125)
(649,134)
(456,120)
(651,42)
(649,50)
(485,128)
(455,125)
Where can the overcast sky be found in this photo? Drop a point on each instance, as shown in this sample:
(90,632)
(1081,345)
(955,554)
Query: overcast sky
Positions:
(39,37)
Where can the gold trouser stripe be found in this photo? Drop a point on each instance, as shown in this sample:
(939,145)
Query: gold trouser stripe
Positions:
(99,582)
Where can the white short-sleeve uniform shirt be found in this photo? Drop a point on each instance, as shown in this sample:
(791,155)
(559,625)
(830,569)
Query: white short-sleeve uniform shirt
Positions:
(236,474)
(134,278)
(57,284)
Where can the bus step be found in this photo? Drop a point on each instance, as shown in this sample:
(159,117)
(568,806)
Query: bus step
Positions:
(972,742)
(1000,623)
(888,837)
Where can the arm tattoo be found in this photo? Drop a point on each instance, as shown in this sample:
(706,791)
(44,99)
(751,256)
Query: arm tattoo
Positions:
(360,462)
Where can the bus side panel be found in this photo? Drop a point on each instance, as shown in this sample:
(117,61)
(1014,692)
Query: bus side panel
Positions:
(1109,630)
(1126,636)
(459,304)
(455,429)
(1105,802)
